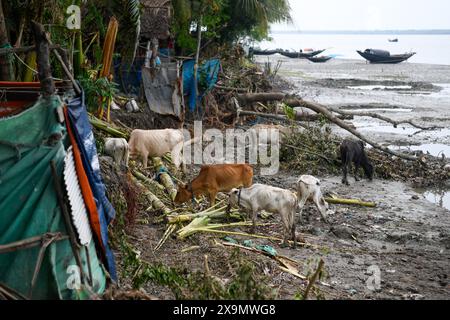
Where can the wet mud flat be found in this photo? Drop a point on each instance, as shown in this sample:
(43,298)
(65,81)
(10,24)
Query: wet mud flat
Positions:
(406,238)
(406,91)
(407,235)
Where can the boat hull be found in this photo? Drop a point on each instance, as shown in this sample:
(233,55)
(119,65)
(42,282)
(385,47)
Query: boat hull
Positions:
(381,59)
(301,55)
(264,52)
(319,59)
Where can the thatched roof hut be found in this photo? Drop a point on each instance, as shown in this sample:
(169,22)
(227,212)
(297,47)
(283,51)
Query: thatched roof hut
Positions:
(155,19)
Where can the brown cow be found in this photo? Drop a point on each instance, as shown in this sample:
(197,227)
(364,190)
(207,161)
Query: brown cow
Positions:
(216,178)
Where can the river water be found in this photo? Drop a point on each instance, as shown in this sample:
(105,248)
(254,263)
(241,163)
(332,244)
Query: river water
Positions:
(432,49)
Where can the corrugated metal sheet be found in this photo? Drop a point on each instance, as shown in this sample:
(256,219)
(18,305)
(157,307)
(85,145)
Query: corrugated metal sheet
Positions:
(78,208)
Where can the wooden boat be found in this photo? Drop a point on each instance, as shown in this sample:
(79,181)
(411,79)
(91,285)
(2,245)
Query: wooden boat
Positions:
(259,52)
(320,59)
(300,55)
(382,56)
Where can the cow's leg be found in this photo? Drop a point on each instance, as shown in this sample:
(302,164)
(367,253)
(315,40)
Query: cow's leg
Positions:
(127,156)
(254,214)
(301,204)
(292,226)
(344,173)
(144,159)
(293,235)
(212,197)
(345,168)
(357,167)
(286,228)
(117,155)
(183,167)
(320,203)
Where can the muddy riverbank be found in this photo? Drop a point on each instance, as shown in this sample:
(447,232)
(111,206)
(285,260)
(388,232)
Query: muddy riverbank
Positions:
(404,91)
(398,250)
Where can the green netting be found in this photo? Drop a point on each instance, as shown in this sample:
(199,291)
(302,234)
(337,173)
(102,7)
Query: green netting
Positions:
(29,205)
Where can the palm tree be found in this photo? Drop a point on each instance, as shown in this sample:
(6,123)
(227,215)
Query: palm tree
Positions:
(263,12)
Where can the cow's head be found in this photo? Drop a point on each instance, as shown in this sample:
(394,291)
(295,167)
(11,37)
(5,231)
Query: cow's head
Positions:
(368,170)
(184,194)
(233,198)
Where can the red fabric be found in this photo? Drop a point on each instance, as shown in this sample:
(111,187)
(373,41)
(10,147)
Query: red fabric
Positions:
(86,190)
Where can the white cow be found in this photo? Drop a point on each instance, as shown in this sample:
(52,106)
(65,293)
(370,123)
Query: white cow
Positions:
(156,143)
(271,199)
(308,188)
(117,149)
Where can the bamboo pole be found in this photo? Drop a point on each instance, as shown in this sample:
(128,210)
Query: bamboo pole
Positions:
(166,180)
(150,182)
(31,61)
(354,202)
(106,127)
(154,201)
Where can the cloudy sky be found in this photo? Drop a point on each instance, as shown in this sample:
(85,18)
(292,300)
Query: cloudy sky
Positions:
(368,15)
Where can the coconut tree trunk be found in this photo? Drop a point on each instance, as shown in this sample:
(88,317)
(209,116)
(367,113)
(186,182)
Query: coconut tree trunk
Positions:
(5,60)
(43,59)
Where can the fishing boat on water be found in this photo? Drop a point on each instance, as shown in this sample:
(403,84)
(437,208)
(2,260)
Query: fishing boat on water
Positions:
(301,54)
(383,56)
(321,59)
(393,40)
(259,52)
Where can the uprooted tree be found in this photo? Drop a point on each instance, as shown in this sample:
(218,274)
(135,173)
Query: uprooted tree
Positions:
(331,114)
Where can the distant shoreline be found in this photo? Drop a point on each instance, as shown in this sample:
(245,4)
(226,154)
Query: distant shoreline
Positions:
(365,32)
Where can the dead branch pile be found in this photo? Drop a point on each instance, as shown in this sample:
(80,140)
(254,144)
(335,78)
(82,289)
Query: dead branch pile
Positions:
(316,151)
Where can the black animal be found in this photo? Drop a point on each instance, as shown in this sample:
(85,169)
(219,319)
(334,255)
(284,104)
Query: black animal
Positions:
(354,152)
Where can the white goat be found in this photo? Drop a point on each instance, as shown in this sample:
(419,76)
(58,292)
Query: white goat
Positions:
(118,149)
(308,188)
(275,200)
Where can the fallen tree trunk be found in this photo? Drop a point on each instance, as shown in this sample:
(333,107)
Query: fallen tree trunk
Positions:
(298,116)
(298,102)
(383,118)
(249,98)
(330,116)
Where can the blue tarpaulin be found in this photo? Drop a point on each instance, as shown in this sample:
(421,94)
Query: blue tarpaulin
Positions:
(129,77)
(86,142)
(208,73)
